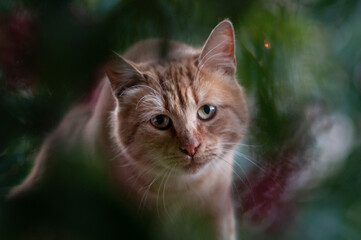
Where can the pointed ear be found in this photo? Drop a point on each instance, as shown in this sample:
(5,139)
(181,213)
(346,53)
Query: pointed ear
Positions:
(218,52)
(122,74)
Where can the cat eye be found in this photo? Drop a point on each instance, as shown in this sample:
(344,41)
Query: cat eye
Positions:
(161,122)
(206,112)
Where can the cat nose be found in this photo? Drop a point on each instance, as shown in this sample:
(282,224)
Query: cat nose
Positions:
(190,149)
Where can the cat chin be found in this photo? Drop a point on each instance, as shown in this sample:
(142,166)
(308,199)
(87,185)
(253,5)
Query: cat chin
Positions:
(195,167)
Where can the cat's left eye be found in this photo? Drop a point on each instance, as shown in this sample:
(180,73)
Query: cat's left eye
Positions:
(206,112)
(161,122)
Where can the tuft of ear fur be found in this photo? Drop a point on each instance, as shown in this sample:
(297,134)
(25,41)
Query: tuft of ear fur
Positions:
(218,52)
(122,74)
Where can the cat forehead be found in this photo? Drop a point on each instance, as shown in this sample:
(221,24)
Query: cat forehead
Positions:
(178,87)
(171,69)
(180,92)
(175,81)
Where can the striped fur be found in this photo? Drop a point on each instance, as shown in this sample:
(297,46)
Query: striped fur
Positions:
(147,163)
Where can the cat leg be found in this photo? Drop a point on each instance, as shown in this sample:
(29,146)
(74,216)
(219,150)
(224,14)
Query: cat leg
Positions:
(225,226)
(223,218)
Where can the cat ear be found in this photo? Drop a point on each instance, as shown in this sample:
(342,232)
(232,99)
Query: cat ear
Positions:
(122,74)
(218,52)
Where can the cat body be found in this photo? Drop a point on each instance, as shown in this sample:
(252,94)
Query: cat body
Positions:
(166,119)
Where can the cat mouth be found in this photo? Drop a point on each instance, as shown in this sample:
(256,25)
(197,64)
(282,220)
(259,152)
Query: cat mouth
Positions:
(194,167)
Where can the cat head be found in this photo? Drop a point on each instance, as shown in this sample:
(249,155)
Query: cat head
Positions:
(184,112)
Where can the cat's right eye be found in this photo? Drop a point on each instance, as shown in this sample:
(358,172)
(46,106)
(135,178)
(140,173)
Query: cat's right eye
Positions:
(161,122)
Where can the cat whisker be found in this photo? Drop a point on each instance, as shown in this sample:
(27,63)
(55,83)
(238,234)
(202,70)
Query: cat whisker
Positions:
(142,172)
(248,145)
(164,189)
(238,144)
(147,189)
(174,162)
(145,169)
(247,183)
(125,165)
(231,166)
(158,193)
(233,185)
(239,154)
(230,143)
(119,153)
(243,171)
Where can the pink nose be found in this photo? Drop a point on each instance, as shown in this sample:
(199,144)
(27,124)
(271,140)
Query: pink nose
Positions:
(190,149)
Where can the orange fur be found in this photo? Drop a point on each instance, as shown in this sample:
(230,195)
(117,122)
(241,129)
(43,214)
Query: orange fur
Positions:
(143,84)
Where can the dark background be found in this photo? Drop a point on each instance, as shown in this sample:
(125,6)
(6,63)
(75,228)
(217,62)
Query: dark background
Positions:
(299,60)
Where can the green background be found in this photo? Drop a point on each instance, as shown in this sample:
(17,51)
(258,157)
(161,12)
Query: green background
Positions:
(299,61)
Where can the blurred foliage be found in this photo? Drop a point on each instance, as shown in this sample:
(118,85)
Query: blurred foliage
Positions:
(300,63)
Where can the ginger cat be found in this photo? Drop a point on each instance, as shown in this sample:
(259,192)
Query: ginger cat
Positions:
(172,120)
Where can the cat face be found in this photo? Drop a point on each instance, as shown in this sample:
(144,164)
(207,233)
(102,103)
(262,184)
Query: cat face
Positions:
(183,113)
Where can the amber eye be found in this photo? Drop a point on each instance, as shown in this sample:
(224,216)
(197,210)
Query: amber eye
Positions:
(206,112)
(161,122)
